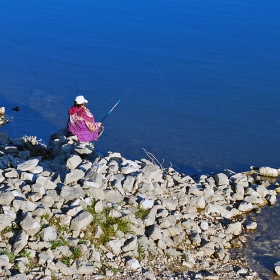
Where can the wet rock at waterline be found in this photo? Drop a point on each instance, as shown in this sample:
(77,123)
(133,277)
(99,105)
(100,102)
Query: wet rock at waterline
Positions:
(70,210)
(3,120)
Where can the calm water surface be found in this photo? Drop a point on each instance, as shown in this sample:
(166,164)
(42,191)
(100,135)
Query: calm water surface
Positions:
(205,75)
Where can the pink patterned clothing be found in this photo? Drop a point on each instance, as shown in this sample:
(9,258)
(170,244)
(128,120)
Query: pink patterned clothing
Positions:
(81,123)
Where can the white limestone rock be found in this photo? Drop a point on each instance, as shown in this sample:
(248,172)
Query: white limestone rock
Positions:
(245,206)
(20,241)
(153,171)
(46,183)
(64,269)
(115,246)
(277,268)
(154,232)
(132,264)
(30,225)
(251,226)
(24,205)
(85,267)
(128,184)
(130,244)
(73,162)
(268,171)
(49,234)
(28,165)
(4,261)
(221,179)
(70,193)
(5,221)
(81,221)
(146,204)
(113,196)
(74,176)
(129,166)
(234,228)
(6,197)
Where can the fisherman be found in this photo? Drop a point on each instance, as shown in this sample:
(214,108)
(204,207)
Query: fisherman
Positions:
(81,122)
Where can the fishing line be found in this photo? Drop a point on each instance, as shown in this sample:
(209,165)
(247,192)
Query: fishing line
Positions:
(164,83)
(119,101)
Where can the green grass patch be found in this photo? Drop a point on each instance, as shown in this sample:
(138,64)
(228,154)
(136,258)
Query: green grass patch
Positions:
(76,253)
(108,224)
(58,242)
(66,260)
(56,222)
(142,213)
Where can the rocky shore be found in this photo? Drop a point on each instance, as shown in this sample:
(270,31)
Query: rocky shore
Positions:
(69,212)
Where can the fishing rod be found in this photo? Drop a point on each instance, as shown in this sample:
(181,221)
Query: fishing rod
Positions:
(119,101)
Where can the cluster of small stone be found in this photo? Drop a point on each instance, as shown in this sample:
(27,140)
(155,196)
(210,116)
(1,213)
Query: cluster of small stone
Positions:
(189,223)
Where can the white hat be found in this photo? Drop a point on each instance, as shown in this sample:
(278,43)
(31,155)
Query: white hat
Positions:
(80,99)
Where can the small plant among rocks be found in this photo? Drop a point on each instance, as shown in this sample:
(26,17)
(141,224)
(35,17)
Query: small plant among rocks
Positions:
(108,224)
(76,254)
(142,213)
(9,254)
(59,242)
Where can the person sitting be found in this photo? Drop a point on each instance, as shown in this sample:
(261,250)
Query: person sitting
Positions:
(81,122)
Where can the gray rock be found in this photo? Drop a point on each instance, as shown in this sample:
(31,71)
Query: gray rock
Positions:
(113,196)
(49,234)
(115,246)
(129,167)
(208,249)
(24,205)
(268,171)
(28,165)
(6,197)
(128,184)
(132,264)
(85,268)
(21,276)
(64,269)
(271,199)
(30,225)
(277,268)
(234,228)
(153,171)
(130,244)
(46,183)
(4,261)
(74,176)
(11,173)
(168,203)
(43,258)
(96,193)
(73,162)
(245,206)
(154,232)
(20,241)
(81,221)
(151,217)
(221,179)
(251,226)
(70,193)
(5,221)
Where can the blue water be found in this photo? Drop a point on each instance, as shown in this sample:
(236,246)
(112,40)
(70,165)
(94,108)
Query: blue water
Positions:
(205,75)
